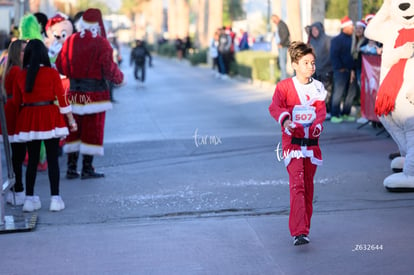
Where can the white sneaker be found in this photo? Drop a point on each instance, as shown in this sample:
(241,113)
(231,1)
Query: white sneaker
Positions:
(31,203)
(362,120)
(18,199)
(224,77)
(56,204)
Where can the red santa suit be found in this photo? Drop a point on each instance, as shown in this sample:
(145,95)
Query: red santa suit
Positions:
(10,109)
(40,118)
(304,104)
(86,59)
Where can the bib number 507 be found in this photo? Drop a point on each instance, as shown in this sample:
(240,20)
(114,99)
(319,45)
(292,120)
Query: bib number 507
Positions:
(303,117)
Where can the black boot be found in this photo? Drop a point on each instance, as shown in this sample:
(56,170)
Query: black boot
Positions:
(88,172)
(72,173)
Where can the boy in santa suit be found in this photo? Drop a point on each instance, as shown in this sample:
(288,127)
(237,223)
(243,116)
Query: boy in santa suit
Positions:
(86,59)
(299,106)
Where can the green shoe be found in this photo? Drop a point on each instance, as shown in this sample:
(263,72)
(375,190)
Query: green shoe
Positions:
(336,119)
(348,118)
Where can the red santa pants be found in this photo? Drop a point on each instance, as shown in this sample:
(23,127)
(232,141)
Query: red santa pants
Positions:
(301,173)
(88,139)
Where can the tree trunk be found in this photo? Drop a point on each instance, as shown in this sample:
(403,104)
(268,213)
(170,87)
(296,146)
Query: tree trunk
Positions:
(318,11)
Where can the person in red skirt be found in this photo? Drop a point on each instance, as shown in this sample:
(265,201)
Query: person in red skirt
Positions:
(13,67)
(86,59)
(36,88)
(299,106)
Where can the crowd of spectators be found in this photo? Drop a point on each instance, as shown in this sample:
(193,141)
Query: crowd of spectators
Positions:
(339,64)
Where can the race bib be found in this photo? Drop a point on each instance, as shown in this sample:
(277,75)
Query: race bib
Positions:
(304,115)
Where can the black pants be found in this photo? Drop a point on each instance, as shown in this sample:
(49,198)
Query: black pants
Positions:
(18,154)
(52,155)
(138,68)
(225,60)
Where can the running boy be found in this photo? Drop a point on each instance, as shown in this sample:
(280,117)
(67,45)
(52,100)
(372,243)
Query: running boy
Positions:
(299,106)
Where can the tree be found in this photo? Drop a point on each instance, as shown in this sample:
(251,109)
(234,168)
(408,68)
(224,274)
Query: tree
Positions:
(83,5)
(371,6)
(336,8)
(232,10)
(339,8)
(132,7)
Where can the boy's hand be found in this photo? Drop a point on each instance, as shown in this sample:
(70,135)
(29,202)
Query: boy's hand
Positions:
(288,124)
(295,129)
(315,130)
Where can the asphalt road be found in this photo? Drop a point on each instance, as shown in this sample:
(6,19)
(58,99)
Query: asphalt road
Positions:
(193,185)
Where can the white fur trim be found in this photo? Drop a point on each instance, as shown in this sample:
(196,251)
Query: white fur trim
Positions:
(91,108)
(282,117)
(319,127)
(346,24)
(398,163)
(399,180)
(65,110)
(90,149)
(93,27)
(303,153)
(361,24)
(71,147)
(83,148)
(41,135)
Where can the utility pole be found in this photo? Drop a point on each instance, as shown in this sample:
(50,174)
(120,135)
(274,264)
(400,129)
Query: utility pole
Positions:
(269,9)
(355,10)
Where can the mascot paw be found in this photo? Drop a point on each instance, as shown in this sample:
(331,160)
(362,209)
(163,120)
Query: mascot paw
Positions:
(399,182)
(397,164)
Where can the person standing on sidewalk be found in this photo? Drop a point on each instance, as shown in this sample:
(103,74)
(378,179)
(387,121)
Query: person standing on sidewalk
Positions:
(86,59)
(299,106)
(282,37)
(213,52)
(344,77)
(321,43)
(224,53)
(36,88)
(14,65)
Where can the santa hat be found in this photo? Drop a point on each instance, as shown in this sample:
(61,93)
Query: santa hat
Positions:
(361,23)
(92,20)
(346,21)
(368,17)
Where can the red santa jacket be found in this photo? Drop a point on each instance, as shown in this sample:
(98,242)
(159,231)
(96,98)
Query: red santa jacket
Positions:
(10,109)
(87,59)
(285,98)
(39,118)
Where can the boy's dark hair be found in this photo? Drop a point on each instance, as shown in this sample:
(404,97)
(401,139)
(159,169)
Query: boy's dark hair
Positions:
(35,54)
(298,49)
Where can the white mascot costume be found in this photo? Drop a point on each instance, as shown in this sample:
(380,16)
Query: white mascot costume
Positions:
(393,26)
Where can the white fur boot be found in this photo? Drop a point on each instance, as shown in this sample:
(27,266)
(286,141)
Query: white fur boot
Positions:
(397,164)
(399,182)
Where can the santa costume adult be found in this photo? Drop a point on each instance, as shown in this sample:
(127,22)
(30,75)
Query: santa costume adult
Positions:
(86,59)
